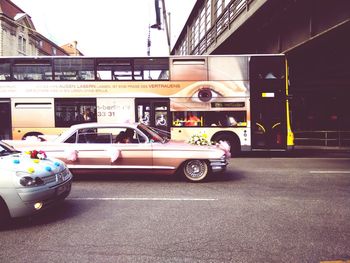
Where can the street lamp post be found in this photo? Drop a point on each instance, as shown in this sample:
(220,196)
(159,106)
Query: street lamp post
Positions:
(167,30)
(157,25)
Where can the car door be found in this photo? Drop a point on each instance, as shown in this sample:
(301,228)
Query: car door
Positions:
(88,148)
(101,148)
(134,152)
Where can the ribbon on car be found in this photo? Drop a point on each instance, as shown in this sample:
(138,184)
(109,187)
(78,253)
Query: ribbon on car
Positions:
(71,155)
(114,153)
(223,145)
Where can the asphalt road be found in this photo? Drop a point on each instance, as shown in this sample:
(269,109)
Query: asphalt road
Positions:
(264,209)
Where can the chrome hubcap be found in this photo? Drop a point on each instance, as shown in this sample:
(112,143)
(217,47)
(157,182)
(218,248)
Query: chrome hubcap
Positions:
(195,169)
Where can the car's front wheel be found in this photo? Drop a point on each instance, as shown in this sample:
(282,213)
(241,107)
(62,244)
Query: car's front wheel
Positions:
(4,213)
(196,170)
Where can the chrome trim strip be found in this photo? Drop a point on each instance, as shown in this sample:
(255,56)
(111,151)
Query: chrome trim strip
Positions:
(218,165)
(138,167)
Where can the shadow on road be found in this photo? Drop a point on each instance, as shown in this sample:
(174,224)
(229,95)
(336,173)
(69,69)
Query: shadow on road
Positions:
(59,213)
(105,175)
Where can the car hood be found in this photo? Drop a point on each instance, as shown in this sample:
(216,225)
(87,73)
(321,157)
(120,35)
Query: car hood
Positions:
(185,146)
(22,162)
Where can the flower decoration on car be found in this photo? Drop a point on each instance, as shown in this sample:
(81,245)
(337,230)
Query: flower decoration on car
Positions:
(200,138)
(37,154)
(223,145)
(72,155)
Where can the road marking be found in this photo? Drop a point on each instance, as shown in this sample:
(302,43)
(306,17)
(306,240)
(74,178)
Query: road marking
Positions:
(336,261)
(330,172)
(139,199)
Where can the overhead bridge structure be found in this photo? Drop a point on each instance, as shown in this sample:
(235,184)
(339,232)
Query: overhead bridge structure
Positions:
(314,35)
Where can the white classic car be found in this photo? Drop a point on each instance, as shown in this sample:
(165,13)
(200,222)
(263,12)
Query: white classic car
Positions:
(131,148)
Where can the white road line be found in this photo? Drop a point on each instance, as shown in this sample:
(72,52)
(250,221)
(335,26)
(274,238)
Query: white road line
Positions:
(139,199)
(329,172)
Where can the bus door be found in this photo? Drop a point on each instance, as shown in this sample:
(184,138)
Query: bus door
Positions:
(5,119)
(268,103)
(154,113)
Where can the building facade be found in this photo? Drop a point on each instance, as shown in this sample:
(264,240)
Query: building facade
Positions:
(18,35)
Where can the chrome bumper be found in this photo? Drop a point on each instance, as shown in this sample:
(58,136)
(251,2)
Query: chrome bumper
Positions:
(218,165)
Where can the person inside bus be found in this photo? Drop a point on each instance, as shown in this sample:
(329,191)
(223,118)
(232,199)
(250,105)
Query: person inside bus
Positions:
(231,121)
(87,116)
(192,120)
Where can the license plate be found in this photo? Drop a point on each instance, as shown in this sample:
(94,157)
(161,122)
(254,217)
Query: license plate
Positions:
(63,188)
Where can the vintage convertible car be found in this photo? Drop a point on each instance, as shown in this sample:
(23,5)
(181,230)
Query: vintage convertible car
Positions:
(30,182)
(129,147)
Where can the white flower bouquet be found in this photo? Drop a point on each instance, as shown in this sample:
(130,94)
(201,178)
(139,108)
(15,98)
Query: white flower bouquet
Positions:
(200,138)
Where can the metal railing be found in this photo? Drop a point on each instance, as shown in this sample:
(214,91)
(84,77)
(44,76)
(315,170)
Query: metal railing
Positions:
(322,138)
(222,23)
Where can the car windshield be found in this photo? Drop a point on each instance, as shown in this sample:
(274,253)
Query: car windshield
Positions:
(6,149)
(151,134)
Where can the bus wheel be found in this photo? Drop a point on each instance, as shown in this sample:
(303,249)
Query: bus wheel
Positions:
(195,170)
(32,135)
(233,141)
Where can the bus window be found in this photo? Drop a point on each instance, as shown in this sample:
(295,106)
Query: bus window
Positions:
(210,118)
(5,72)
(226,118)
(133,69)
(34,69)
(267,68)
(74,69)
(114,69)
(72,111)
(152,68)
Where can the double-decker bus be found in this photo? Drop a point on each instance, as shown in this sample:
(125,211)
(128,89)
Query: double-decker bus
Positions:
(241,99)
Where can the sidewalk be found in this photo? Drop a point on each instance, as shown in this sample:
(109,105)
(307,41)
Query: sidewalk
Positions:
(322,148)
(303,151)
(320,151)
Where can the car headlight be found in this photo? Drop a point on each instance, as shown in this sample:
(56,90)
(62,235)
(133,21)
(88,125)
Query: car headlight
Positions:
(27,180)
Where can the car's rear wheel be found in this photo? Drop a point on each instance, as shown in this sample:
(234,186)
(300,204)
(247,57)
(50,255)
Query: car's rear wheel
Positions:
(196,170)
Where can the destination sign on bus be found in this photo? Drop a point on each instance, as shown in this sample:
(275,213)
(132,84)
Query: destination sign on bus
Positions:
(237,104)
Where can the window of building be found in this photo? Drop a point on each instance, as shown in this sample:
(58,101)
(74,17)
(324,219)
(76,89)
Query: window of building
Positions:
(22,42)
(202,24)
(208,15)
(218,7)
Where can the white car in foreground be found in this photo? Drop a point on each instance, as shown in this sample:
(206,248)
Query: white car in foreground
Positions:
(30,182)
